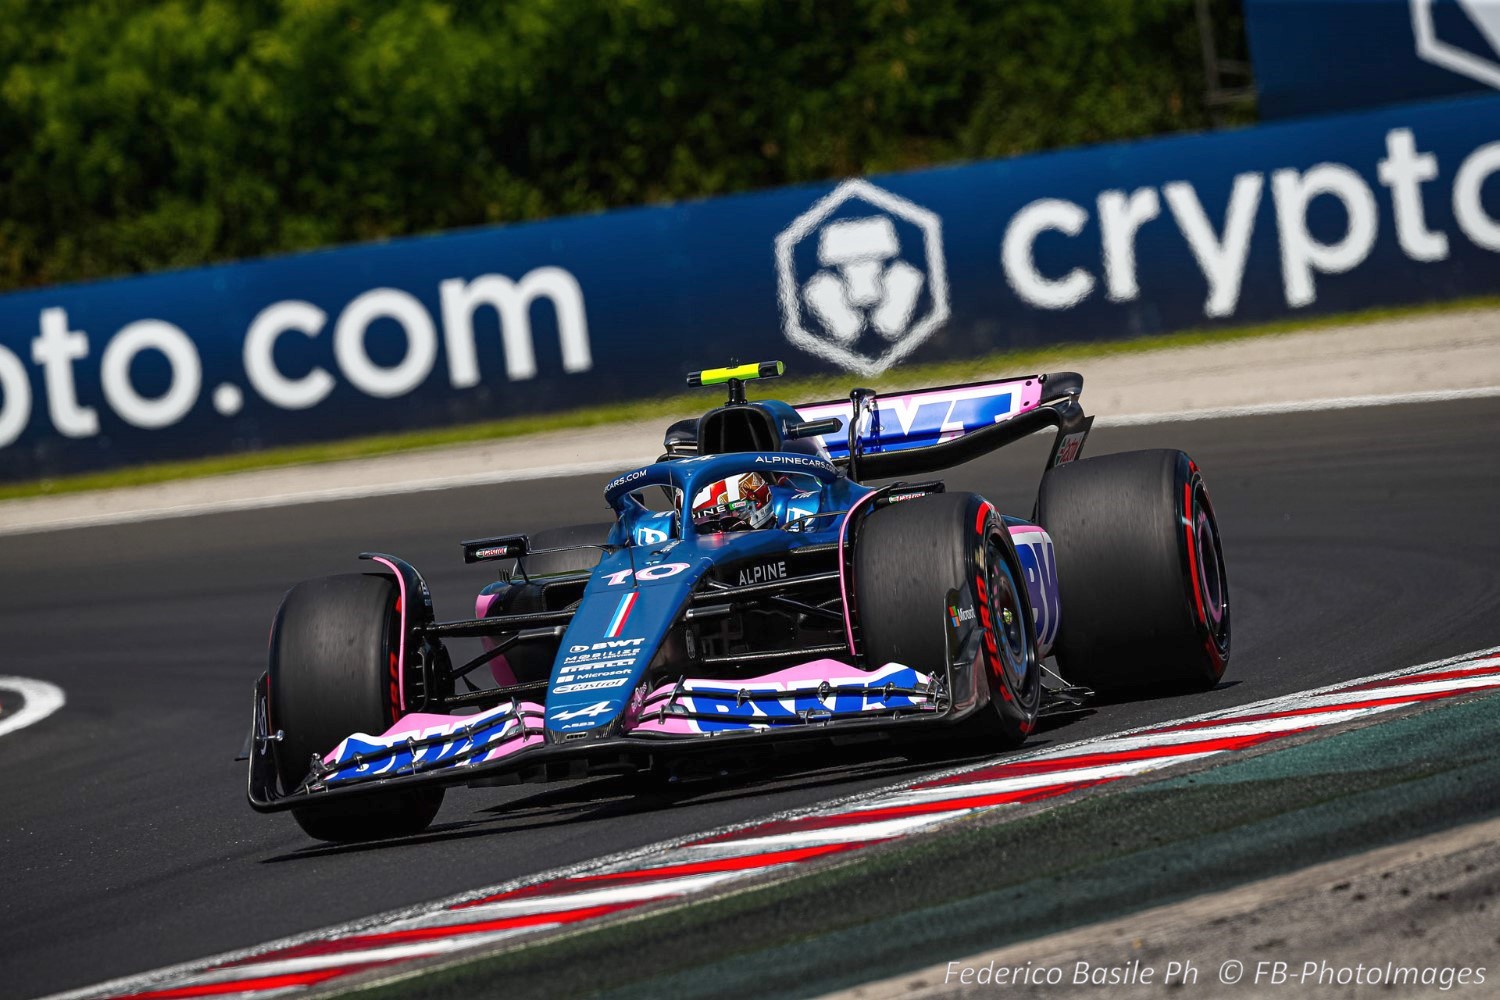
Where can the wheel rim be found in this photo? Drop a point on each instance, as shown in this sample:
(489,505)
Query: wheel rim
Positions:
(1211,580)
(1006,618)
(1210,571)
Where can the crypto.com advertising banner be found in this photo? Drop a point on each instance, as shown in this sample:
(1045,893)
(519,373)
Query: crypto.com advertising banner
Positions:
(1318,57)
(1378,208)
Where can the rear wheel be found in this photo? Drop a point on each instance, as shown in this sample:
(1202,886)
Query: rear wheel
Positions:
(921,564)
(1141,576)
(333,672)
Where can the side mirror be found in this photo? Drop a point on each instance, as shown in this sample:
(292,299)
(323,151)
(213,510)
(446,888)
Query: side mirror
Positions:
(502,547)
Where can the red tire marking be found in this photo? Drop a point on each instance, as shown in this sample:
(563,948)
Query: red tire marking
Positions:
(1192,525)
(395,688)
(982,605)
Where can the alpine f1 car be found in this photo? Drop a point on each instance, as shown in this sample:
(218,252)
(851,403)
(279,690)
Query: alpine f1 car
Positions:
(754,587)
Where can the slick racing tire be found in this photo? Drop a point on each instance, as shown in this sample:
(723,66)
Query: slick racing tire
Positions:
(916,563)
(333,657)
(1141,577)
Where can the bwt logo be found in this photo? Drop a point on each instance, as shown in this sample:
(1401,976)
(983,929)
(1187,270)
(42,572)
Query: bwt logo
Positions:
(862,278)
(1463,36)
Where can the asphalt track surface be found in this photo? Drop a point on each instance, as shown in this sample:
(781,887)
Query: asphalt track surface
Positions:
(1357,542)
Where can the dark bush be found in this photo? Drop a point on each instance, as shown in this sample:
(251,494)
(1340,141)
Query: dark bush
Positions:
(139,136)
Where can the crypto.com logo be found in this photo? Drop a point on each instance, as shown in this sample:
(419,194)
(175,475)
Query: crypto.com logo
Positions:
(1481,66)
(864,301)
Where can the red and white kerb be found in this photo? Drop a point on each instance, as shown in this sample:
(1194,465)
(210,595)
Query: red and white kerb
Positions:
(680,870)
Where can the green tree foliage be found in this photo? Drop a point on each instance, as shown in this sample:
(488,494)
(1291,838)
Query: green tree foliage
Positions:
(136,136)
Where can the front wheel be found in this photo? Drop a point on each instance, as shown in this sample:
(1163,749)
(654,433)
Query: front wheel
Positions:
(941,564)
(333,672)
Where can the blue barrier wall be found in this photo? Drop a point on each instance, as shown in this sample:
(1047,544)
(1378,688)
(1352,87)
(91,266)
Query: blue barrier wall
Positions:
(1317,57)
(1393,206)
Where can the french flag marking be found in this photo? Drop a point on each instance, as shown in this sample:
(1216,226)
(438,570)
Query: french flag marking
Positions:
(622,615)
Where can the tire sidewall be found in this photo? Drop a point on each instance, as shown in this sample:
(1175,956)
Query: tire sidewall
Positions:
(1006,648)
(1207,578)
(301,703)
(1143,588)
(333,660)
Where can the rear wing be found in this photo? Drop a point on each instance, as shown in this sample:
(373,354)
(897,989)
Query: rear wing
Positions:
(913,433)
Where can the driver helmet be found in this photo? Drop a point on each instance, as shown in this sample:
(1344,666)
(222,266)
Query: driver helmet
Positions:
(740,503)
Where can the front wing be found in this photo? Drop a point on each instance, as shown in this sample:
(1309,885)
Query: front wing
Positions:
(817,699)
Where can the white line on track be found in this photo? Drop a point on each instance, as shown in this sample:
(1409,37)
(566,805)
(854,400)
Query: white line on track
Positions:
(359,492)
(1297,406)
(494,477)
(39,700)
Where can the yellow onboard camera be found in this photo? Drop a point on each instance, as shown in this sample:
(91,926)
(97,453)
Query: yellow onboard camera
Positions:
(736,376)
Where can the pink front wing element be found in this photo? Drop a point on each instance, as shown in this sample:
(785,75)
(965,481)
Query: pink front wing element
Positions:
(533,738)
(680,870)
(800,681)
(425,724)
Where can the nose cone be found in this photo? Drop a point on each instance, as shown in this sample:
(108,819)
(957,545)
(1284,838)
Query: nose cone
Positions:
(627,610)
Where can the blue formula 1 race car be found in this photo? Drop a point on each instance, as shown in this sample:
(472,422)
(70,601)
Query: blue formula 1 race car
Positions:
(752,589)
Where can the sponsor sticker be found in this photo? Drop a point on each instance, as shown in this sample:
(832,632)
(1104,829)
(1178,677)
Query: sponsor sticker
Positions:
(595,658)
(796,460)
(580,671)
(590,685)
(957,615)
(606,645)
(861,277)
(629,477)
(593,711)
(1069,447)
(763,572)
